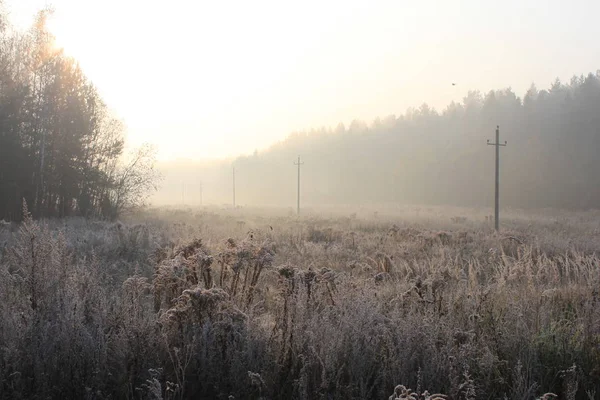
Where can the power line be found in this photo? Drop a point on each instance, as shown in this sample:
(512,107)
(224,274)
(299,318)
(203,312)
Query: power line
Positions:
(497,195)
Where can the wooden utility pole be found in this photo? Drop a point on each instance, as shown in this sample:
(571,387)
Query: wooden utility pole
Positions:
(497,199)
(234,187)
(298,164)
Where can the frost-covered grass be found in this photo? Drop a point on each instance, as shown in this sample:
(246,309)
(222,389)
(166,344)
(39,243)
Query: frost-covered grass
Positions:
(336,304)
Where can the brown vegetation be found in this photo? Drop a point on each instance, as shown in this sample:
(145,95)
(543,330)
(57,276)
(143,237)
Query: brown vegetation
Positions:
(188,305)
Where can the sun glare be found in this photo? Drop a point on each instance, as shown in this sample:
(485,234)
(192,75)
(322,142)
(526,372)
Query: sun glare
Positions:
(269,68)
(57,29)
(69,33)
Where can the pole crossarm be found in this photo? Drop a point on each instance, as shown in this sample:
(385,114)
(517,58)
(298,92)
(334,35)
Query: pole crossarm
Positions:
(497,144)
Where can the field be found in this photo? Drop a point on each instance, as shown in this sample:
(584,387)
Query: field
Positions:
(336,304)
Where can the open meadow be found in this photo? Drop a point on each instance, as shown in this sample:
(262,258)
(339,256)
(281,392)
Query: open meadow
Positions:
(335,304)
(138,139)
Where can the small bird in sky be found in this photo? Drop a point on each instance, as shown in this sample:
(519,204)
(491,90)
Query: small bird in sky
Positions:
(453,84)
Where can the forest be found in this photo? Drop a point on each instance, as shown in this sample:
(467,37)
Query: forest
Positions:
(391,284)
(61,147)
(63,150)
(427,157)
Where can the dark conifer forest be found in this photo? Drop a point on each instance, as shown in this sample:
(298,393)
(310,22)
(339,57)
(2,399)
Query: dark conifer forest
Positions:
(61,148)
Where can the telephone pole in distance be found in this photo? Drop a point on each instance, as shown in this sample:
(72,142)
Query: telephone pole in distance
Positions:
(298,164)
(497,195)
(234,187)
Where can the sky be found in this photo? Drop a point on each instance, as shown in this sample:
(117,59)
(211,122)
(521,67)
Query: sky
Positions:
(215,79)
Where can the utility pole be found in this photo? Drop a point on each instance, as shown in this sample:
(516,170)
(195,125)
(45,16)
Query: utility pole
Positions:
(298,164)
(234,187)
(182,192)
(497,200)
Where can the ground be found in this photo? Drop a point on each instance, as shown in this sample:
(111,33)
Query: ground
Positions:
(338,303)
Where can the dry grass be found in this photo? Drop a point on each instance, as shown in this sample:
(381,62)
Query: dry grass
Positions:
(195,304)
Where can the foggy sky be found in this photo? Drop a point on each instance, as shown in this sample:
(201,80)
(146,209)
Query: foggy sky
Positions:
(425,157)
(211,80)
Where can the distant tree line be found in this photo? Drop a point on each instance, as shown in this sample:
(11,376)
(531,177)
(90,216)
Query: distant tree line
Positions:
(61,150)
(430,157)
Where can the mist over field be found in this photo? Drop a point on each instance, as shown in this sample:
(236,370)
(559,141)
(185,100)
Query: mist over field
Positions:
(175,225)
(424,156)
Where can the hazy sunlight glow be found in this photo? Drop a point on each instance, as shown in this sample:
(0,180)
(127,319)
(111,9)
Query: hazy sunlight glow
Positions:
(215,79)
